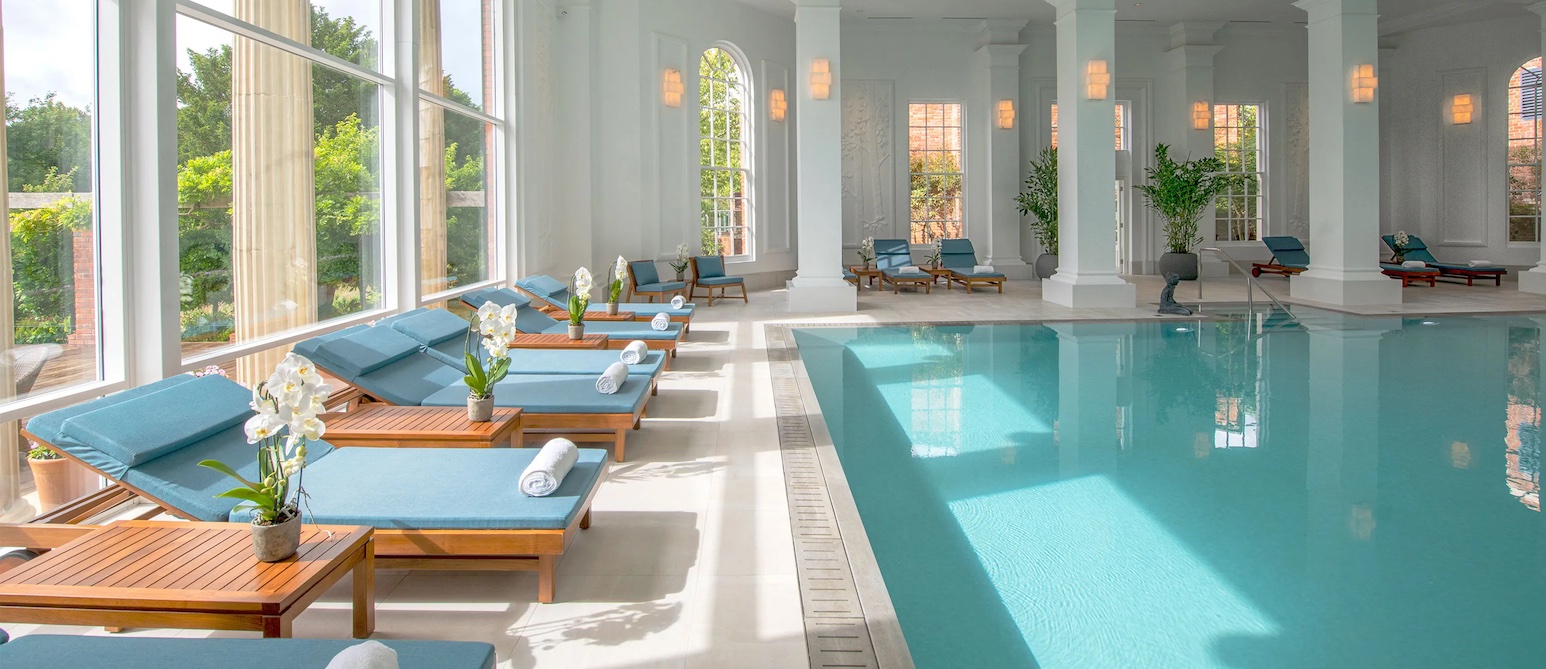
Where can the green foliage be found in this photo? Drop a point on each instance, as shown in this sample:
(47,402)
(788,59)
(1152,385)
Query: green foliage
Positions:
(41,452)
(1040,199)
(1180,191)
(722,144)
(935,193)
(577,305)
(482,378)
(43,260)
(45,138)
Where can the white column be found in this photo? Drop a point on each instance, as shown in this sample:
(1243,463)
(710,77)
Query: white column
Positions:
(998,64)
(1344,160)
(1191,73)
(1086,428)
(819,284)
(1534,280)
(1087,261)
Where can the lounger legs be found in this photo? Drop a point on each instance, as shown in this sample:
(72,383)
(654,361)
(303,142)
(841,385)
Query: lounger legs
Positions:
(365,593)
(547,576)
(585,520)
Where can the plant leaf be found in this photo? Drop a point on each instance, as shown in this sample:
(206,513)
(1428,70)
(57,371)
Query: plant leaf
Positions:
(223,469)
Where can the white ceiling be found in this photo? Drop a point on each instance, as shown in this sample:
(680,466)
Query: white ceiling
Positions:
(1395,15)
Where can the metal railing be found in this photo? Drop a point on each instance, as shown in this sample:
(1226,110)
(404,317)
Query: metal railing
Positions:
(1250,283)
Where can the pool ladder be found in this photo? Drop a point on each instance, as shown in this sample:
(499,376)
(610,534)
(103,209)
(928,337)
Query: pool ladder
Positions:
(1251,284)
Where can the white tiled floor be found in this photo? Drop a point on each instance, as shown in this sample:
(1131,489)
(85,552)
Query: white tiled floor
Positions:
(689,562)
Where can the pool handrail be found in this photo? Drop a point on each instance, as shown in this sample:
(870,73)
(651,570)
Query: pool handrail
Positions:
(1250,283)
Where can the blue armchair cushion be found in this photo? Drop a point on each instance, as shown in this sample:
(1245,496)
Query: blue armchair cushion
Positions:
(432,326)
(47,650)
(157,423)
(721,281)
(644,272)
(710,267)
(553,393)
(365,351)
(542,285)
(427,488)
(661,287)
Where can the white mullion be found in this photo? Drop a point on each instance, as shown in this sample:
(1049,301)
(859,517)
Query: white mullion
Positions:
(228,23)
(401,271)
(454,106)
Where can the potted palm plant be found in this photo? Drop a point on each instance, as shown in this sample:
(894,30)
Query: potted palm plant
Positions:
(579,301)
(487,350)
(615,286)
(1040,200)
(288,405)
(1180,192)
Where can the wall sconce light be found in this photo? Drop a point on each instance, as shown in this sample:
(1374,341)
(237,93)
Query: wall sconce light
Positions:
(821,79)
(1006,114)
(1461,109)
(777,105)
(672,89)
(1097,79)
(1202,115)
(1364,83)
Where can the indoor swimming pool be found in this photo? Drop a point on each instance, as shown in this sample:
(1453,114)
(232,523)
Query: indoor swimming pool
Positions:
(1267,493)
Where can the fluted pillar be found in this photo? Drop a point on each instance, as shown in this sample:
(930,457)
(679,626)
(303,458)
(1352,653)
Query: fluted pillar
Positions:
(273,208)
(432,152)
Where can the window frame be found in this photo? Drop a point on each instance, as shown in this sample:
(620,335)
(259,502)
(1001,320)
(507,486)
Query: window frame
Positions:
(962,164)
(1263,210)
(1121,125)
(1508,160)
(748,169)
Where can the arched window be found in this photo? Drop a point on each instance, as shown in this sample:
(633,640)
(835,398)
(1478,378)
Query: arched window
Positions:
(1524,153)
(725,154)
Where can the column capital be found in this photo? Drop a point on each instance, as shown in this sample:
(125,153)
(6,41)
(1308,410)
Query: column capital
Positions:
(1068,6)
(817,3)
(1194,33)
(1003,55)
(1324,9)
(1192,56)
(1539,8)
(999,31)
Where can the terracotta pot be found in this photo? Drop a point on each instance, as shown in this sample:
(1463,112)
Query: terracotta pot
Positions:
(272,543)
(61,481)
(480,410)
(611,308)
(577,332)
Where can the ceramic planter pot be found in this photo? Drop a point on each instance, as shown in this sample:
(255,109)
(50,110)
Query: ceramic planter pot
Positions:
(272,543)
(611,308)
(681,275)
(1046,265)
(577,332)
(480,410)
(1183,264)
(60,481)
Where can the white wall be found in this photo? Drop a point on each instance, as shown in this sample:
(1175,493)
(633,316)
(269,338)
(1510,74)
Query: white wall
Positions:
(1448,182)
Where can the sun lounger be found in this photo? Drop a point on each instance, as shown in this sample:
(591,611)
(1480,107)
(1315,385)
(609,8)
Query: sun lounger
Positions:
(891,256)
(1410,275)
(1417,250)
(530,320)
(553,295)
(1288,257)
(53,650)
(432,508)
(958,256)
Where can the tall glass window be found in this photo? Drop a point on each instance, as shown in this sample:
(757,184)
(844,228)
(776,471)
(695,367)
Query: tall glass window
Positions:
(50,321)
(936,171)
(279,177)
(1240,213)
(1120,123)
(724,149)
(1524,153)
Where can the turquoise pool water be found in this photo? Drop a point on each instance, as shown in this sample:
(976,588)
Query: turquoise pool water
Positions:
(1339,492)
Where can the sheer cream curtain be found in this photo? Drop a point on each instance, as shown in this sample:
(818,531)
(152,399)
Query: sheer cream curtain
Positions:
(432,151)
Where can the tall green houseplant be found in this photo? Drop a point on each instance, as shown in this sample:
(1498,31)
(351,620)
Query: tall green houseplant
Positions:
(1180,192)
(1039,200)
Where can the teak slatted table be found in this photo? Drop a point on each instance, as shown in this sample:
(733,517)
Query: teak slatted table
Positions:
(143,573)
(591,341)
(388,426)
(562,315)
(867,274)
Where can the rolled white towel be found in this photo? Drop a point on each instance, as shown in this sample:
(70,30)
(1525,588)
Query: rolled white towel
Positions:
(1479,263)
(907,269)
(612,379)
(1414,264)
(368,655)
(982,269)
(660,322)
(634,352)
(677,302)
(548,469)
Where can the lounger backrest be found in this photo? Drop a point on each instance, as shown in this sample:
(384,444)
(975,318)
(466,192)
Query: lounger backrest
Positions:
(957,254)
(892,253)
(542,284)
(531,321)
(499,296)
(710,267)
(1415,248)
(1289,251)
(364,352)
(430,326)
(643,272)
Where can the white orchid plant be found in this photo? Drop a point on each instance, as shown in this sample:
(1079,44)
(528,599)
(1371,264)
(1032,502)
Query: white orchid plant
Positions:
(579,296)
(683,254)
(619,276)
(1402,240)
(288,405)
(867,250)
(494,331)
(935,250)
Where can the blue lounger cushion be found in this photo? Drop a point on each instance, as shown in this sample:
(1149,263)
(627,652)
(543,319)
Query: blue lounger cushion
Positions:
(1288,251)
(560,299)
(163,421)
(531,321)
(1450,267)
(542,285)
(49,426)
(897,272)
(553,394)
(661,287)
(1407,270)
(48,650)
(976,275)
(408,381)
(721,281)
(499,296)
(365,351)
(177,479)
(479,489)
(528,361)
(309,347)
(431,326)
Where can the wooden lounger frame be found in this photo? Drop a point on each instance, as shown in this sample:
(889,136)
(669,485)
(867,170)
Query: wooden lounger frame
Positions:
(1272,267)
(451,549)
(1410,277)
(925,281)
(561,313)
(969,281)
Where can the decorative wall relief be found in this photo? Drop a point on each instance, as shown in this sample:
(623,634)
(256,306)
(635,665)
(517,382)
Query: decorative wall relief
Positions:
(1296,98)
(869,167)
(541,118)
